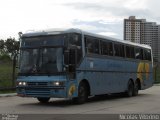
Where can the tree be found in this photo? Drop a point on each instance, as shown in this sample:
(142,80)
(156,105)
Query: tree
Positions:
(2,45)
(12,46)
(9,47)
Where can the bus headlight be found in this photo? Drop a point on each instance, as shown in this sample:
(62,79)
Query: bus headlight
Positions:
(24,83)
(58,83)
(21,83)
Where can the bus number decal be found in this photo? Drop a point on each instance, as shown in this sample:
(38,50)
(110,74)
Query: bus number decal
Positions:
(72,89)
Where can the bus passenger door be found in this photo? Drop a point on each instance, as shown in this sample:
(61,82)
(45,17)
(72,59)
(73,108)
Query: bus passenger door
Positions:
(70,58)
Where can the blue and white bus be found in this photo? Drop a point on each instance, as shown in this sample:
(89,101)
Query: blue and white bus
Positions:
(74,64)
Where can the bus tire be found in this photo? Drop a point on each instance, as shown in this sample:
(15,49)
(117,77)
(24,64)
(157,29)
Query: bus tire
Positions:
(82,94)
(43,99)
(130,89)
(136,88)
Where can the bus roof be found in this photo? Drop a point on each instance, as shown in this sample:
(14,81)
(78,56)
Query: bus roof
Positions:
(73,30)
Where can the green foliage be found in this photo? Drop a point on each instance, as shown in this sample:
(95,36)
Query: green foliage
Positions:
(5,58)
(12,45)
(7,91)
(9,47)
(2,43)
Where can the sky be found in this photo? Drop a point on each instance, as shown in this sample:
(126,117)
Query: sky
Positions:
(103,17)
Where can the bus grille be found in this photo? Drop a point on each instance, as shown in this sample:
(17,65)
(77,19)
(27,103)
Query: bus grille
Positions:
(37,91)
(37,83)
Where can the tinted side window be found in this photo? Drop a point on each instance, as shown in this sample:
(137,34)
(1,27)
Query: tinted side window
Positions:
(118,50)
(75,40)
(130,52)
(139,53)
(92,45)
(106,48)
(147,54)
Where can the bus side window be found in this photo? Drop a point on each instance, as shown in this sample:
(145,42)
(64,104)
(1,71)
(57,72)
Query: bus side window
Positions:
(139,53)
(75,40)
(130,52)
(147,54)
(110,48)
(92,45)
(119,50)
(106,48)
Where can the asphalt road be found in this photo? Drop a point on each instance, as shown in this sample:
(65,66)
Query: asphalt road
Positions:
(148,101)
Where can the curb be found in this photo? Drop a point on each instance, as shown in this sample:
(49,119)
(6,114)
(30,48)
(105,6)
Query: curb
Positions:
(157,84)
(8,95)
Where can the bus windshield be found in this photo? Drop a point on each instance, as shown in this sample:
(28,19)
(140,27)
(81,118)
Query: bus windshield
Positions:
(42,60)
(42,54)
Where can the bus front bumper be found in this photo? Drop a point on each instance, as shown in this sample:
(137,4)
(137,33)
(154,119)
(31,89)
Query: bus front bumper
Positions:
(57,92)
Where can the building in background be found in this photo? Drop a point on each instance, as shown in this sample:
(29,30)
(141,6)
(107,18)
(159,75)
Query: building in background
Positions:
(143,32)
(158,43)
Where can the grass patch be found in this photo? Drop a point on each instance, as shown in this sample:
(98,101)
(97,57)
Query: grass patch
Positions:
(7,91)
(5,74)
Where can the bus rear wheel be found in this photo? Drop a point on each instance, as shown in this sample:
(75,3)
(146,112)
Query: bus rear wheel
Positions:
(43,99)
(136,88)
(130,89)
(82,94)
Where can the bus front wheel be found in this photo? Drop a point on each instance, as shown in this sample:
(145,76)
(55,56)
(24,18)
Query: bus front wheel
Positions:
(43,99)
(82,94)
